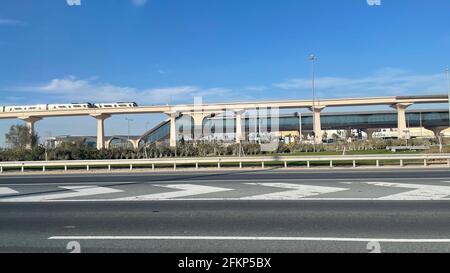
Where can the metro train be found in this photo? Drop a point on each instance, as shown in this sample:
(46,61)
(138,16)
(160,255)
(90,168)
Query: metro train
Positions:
(68,106)
(116,105)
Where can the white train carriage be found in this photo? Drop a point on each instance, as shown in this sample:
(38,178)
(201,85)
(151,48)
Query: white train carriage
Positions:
(70,106)
(116,105)
(25,108)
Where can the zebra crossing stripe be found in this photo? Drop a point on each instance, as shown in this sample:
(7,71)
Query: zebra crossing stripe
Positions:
(183,191)
(75,191)
(296,191)
(417,191)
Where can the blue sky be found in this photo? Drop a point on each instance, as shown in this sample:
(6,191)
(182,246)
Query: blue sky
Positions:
(168,51)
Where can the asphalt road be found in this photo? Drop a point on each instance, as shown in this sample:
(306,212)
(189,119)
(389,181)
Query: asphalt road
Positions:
(250,211)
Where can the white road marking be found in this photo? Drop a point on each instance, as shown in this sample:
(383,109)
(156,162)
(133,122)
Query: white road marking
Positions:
(185,190)
(91,183)
(252,238)
(236,199)
(297,191)
(417,192)
(357,180)
(4,190)
(77,192)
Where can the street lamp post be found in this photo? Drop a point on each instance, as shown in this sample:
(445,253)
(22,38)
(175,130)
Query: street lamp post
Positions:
(313,58)
(421,124)
(128,120)
(300,129)
(448,83)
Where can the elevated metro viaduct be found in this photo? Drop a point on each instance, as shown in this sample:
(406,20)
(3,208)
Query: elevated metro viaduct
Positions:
(434,120)
(199,112)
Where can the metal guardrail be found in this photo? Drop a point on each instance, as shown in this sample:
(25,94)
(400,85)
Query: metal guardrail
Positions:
(220,161)
(407,148)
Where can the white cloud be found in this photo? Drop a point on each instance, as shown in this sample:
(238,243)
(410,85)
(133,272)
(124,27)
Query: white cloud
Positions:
(139,3)
(11,22)
(80,90)
(386,82)
(256,88)
(161,70)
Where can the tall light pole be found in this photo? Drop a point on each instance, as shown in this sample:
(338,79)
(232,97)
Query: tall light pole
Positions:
(300,129)
(421,124)
(448,83)
(129,120)
(313,59)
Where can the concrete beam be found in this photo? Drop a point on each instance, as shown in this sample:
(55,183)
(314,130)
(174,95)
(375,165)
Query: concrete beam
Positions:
(240,105)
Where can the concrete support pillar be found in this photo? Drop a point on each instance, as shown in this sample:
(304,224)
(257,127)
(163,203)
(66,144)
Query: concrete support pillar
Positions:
(239,135)
(369,132)
(198,118)
(317,126)
(173,128)
(135,143)
(401,119)
(198,124)
(30,121)
(437,130)
(108,143)
(101,130)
